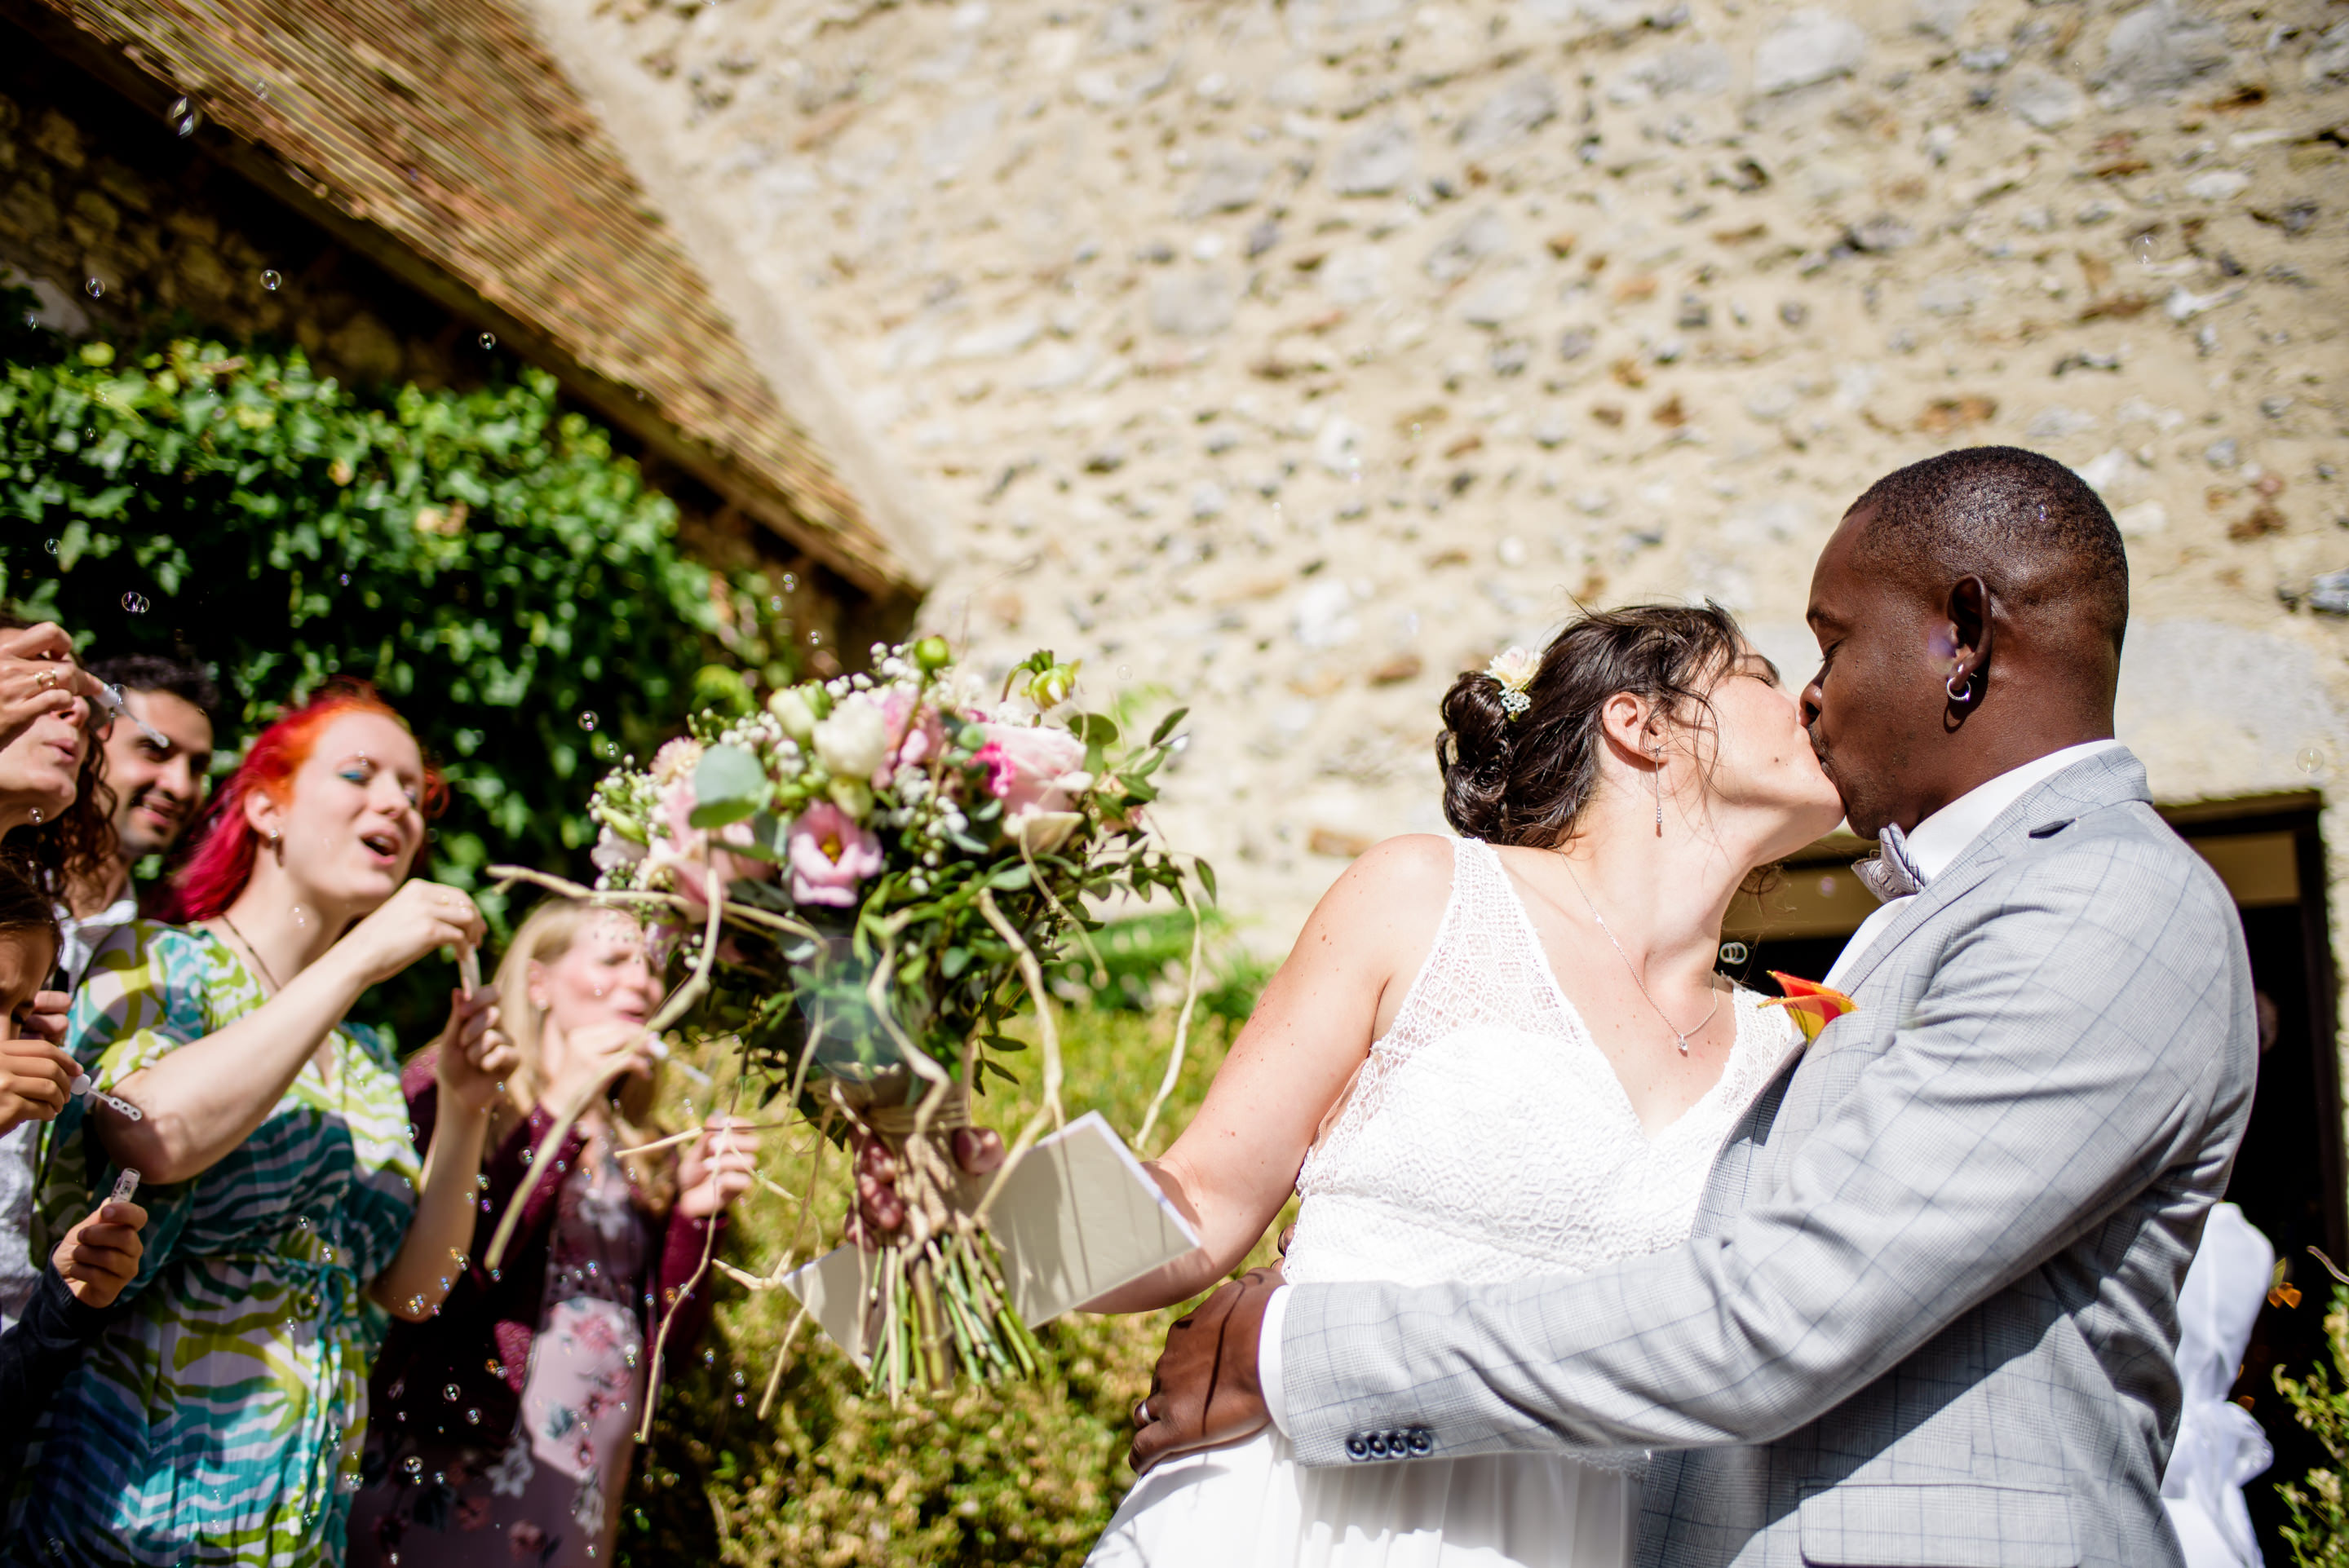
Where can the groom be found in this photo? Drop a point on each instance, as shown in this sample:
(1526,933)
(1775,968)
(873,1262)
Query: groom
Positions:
(1928,1310)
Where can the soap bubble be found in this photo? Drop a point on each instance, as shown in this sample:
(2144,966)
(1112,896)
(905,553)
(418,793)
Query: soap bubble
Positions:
(473,1417)
(1735,953)
(1125,672)
(93,287)
(587,720)
(413,1466)
(816,639)
(51,547)
(2310,760)
(182,117)
(36,813)
(791,581)
(270,278)
(449,1393)
(489,340)
(1827,887)
(135,602)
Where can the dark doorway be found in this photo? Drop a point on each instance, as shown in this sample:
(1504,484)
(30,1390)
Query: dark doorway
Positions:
(2289,1179)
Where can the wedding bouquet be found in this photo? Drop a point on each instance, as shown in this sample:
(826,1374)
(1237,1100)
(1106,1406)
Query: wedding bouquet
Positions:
(868,877)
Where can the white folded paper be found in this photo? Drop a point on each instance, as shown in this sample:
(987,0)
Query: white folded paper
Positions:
(1078,1217)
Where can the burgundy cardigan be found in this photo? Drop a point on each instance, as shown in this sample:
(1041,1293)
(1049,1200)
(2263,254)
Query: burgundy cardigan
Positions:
(479,1340)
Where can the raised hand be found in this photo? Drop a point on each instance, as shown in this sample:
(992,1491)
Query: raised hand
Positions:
(38,677)
(420,918)
(36,1080)
(475,1057)
(99,1256)
(717,1169)
(1204,1391)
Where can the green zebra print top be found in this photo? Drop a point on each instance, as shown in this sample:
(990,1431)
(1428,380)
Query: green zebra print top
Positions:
(219,1420)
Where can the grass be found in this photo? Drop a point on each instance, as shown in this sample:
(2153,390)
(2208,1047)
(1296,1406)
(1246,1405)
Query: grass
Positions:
(1023,1474)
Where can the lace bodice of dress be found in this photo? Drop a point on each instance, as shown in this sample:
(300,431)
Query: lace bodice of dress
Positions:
(1487,1138)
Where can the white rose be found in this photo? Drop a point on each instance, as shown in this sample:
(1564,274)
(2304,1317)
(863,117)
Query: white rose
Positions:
(855,740)
(1514,667)
(790,709)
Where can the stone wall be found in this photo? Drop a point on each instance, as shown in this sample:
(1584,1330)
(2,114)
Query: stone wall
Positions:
(1292,358)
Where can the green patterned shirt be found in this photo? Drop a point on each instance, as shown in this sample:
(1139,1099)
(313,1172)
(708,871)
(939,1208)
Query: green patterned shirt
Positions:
(218,1420)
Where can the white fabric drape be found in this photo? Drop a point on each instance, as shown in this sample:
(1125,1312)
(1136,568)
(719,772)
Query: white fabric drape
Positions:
(2219,1446)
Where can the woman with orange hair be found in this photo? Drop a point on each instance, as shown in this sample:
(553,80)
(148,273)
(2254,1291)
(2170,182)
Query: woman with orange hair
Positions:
(219,1419)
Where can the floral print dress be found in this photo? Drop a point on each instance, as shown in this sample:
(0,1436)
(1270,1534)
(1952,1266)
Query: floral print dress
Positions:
(218,1419)
(548,1492)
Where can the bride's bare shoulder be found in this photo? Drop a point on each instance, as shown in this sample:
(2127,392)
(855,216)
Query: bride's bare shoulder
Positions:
(1410,871)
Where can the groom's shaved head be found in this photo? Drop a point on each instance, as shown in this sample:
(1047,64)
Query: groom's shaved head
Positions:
(1969,610)
(2027,526)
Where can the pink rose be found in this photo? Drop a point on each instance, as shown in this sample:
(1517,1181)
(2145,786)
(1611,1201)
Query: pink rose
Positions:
(830,855)
(1032,768)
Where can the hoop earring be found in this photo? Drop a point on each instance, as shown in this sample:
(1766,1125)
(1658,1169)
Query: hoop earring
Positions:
(1959,696)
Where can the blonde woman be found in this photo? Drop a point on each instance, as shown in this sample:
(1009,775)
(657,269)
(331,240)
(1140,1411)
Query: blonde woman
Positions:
(505,1424)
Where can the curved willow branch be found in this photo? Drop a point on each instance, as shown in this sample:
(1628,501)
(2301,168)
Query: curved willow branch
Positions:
(1033,973)
(1181,1034)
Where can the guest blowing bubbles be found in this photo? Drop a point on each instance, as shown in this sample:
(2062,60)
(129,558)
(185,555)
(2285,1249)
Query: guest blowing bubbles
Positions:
(548,1359)
(221,1417)
(52,819)
(98,1256)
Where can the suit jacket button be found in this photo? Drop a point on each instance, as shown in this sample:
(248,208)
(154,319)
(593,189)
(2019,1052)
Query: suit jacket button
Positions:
(1421,1442)
(1356,1449)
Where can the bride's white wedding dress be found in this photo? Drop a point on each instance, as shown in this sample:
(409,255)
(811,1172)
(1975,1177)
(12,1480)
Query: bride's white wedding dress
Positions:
(1485,1138)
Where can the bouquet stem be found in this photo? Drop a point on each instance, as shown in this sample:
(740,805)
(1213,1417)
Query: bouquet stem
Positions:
(944,1312)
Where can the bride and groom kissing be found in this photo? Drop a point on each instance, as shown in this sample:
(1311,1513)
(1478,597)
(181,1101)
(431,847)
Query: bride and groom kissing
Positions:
(1596,1261)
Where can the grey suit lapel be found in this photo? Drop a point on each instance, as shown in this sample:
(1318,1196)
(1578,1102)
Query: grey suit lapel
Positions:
(2109,778)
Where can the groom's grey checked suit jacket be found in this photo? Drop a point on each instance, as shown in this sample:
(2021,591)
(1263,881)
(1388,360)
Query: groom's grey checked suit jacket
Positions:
(1928,1311)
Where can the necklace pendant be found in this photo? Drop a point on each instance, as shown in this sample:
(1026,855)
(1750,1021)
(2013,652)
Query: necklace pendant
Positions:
(1683,1040)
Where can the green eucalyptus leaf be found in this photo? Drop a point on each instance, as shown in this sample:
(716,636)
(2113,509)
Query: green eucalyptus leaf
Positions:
(727,786)
(1166,726)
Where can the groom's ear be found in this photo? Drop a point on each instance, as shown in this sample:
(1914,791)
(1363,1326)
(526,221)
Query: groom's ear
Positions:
(1971,617)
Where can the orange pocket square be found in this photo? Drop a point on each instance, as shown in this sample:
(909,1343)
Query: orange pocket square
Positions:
(1812,1005)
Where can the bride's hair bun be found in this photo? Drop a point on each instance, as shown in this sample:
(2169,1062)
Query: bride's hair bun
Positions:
(1527,780)
(1473,753)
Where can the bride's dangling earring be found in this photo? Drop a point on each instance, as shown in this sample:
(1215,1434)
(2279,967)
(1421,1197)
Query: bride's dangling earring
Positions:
(1658,753)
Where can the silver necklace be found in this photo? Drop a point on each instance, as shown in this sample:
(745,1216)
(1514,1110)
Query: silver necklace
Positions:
(1681,1036)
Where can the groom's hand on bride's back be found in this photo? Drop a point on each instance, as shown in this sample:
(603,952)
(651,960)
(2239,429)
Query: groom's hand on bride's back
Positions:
(1204,1391)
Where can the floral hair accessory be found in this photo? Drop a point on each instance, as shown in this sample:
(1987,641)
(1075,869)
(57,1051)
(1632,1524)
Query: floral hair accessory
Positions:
(1515,669)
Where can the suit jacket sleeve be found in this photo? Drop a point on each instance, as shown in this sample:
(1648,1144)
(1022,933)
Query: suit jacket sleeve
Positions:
(2065,1051)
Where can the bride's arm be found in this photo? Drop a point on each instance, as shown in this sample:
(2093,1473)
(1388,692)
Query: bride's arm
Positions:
(1236,1163)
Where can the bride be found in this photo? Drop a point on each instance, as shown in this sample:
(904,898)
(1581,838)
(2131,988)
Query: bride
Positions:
(1504,1055)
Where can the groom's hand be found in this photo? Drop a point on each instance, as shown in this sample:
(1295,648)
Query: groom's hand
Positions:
(1204,1392)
